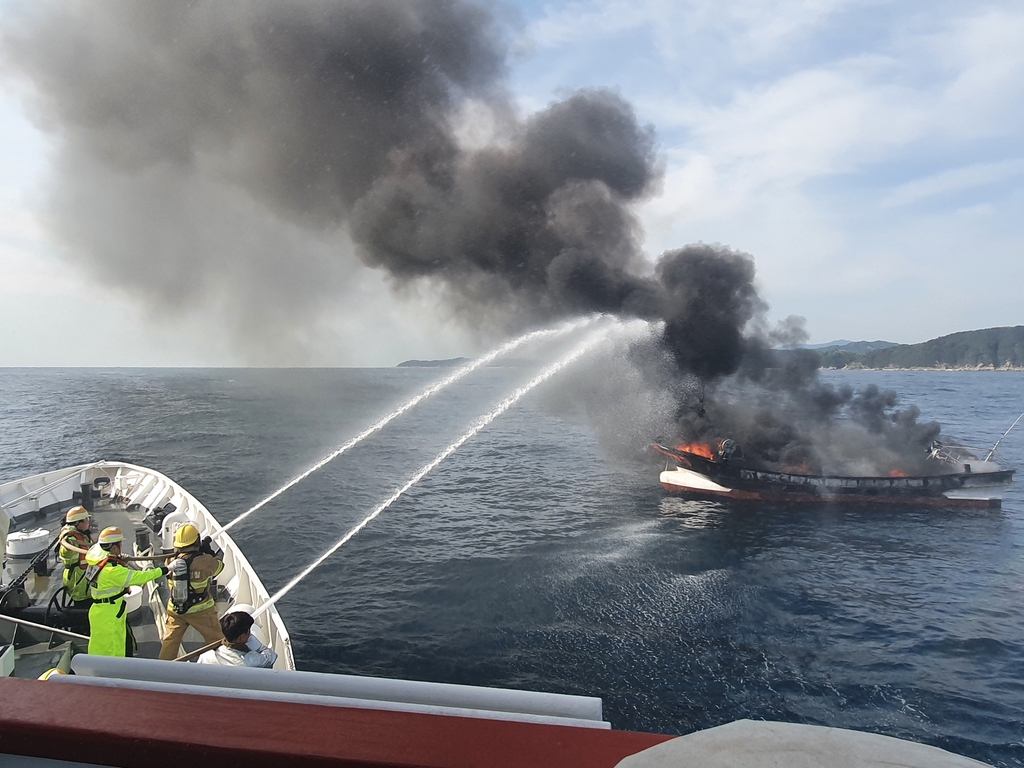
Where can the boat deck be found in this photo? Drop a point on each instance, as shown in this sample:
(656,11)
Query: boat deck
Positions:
(148,506)
(36,651)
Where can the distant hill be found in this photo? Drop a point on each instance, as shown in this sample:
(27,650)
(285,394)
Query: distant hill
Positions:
(858,347)
(505,362)
(449,363)
(827,344)
(987,348)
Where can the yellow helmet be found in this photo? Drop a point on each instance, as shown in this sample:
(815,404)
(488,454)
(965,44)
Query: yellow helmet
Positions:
(186,536)
(76,514)
(51,672)
(111,535)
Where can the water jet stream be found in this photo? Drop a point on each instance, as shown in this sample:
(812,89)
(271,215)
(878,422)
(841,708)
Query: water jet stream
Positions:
(433,389)
(593,340)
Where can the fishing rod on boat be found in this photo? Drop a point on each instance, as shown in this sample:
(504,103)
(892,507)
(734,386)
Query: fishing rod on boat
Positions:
(992,452)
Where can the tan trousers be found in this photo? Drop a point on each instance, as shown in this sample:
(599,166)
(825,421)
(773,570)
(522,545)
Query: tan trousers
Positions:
(205,622)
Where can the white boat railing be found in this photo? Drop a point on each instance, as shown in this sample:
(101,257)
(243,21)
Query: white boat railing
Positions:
(41,486)
(151,490)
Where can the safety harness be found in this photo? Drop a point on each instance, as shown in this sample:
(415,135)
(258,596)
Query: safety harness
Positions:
(73,560)
(193,596)
(110,594)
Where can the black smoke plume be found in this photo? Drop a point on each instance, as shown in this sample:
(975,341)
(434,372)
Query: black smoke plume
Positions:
(244,155)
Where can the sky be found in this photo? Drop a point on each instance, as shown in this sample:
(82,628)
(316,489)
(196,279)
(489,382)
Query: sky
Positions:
(868,154)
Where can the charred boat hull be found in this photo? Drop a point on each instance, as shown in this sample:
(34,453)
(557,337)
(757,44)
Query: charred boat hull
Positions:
(700,477)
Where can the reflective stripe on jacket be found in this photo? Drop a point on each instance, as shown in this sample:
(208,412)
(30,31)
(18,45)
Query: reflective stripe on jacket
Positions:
(113,579)
(108,622)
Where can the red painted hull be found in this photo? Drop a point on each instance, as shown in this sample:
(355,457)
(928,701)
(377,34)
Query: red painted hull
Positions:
(813,498)
(170,730)
(722,477)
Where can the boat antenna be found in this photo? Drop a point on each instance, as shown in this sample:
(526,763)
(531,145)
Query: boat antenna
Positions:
(992,452)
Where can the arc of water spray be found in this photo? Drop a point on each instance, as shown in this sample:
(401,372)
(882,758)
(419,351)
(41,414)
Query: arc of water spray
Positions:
(584,347)
(572,325)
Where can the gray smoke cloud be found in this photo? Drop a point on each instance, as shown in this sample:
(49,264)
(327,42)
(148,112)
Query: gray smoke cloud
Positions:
(245,155)
(252,156)
(212,153)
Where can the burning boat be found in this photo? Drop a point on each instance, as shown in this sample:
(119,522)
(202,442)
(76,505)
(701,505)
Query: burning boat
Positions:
(720,470)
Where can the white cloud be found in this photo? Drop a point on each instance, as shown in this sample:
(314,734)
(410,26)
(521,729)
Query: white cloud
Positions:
(749,29)
(953,79)
(579,21)
(956,179)
(788,167)
(987,57)
(812,123)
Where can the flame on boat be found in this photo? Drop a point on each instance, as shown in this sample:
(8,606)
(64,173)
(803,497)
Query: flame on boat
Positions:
(698,449)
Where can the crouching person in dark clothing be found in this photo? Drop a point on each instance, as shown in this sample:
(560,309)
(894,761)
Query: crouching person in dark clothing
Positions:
(240,648)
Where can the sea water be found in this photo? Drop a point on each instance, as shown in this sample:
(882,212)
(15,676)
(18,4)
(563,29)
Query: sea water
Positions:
(531,558)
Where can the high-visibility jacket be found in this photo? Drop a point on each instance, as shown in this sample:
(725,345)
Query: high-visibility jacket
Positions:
(203,568)
(74,562)
(108,616)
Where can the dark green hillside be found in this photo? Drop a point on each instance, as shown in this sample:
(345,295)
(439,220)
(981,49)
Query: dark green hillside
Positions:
(859,347)
(991,347)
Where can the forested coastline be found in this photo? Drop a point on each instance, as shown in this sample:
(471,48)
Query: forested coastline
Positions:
(987,349)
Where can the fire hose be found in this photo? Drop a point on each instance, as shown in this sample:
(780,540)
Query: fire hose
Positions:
(186,657)
(992,452)
(16,583)
(199,651)
(130,558)
(127,558)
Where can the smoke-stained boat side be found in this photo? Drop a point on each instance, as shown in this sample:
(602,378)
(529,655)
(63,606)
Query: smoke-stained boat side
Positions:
(721,471)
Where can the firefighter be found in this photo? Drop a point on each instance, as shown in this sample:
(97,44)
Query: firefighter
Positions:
(192,568)
(109,579)
(76,533)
